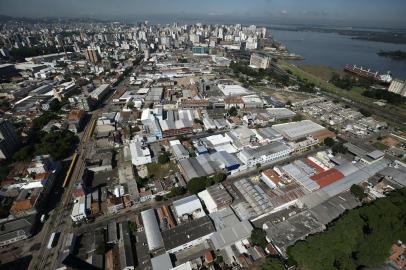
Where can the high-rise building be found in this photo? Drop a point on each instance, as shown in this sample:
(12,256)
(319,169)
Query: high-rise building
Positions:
(259,60)
(9,141)
(92,55)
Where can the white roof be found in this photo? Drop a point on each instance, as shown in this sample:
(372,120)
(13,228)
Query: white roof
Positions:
(210,204)
(297,130)
(234,89)
(187,205)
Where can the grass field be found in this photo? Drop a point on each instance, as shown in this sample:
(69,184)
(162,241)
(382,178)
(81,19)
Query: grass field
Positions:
(161,170)
(323,72)
(380,146)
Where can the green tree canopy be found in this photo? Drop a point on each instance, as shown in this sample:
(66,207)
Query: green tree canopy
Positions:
(258,237)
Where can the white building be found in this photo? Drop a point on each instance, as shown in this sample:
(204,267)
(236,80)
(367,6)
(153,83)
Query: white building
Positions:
(78,210)
(189,206)
(264,154)
(140,155)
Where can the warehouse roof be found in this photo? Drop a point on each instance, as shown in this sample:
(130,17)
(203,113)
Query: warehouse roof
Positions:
(363,174)
(298,130)
(300,177)
(187,232)
(230,235)
(328,177)
(162,262)
(268,149)
(151,228)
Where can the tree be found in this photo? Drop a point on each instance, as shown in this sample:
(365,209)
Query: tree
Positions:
(297,118)
(329,142)
(164,158)
(258,237)
(195,185)
(101,249)
(219,177)
(233,111)
(272,263)
(339,148)
(358,192)
(365,112)
(198,121)
(356,236)
(176,191)
(130,105)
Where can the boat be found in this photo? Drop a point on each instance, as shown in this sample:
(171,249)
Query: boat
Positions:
(368,73)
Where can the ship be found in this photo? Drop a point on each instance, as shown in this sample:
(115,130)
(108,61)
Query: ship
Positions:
(368,74)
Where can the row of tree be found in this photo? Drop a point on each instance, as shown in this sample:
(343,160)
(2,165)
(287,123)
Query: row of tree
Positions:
(360,238)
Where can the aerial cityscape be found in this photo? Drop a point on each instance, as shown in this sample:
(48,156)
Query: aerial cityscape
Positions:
(185,135)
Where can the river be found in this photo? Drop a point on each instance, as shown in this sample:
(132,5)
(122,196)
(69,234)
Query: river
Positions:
(334,50)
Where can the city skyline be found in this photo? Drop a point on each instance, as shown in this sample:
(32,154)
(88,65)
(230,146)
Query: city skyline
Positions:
(349,13)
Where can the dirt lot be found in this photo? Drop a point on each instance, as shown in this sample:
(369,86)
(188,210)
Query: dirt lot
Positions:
(284,96)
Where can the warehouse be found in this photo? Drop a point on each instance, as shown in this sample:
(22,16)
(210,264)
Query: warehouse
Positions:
(280,113)
(264,154)
(271,178)
(140,155)
(198,166)
(232,234)
(176,122)
(219,143)
(267,135)
(295,131)
(179,150)
(188,234)
(225,160)
(257,199)
(328,177)
(151,228)
(215,198)
(188,207)
(301,177)
(233,90)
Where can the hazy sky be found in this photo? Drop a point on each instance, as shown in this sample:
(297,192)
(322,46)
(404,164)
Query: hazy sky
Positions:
(348,12)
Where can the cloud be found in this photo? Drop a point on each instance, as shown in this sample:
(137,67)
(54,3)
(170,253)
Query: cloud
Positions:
(284,12)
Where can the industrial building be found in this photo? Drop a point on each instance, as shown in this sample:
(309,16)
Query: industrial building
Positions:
(151,229)
(179,150)
(188,234)
(264,154)
(140,155)
(188,207)
(215,198)
(233,90)
(294,131)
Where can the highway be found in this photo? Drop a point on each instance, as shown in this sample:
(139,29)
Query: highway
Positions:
(59,220)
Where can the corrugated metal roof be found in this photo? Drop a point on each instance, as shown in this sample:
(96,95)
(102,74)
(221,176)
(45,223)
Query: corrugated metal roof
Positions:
(151,229)
(328,177)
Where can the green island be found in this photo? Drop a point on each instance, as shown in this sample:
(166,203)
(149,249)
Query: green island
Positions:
(362,237)
(394,55)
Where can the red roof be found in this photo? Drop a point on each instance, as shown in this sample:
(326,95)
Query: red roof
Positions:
(314,165)
(328,177)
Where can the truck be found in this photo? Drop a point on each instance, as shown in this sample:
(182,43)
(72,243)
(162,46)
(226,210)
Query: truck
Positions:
(53,240)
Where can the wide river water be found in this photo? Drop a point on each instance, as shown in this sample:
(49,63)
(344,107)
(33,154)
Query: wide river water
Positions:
(334,50)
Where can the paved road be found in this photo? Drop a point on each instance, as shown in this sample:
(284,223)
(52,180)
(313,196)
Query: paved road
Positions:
(59,220)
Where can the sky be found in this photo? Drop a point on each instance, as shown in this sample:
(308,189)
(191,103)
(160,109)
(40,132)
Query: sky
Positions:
(374,13)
